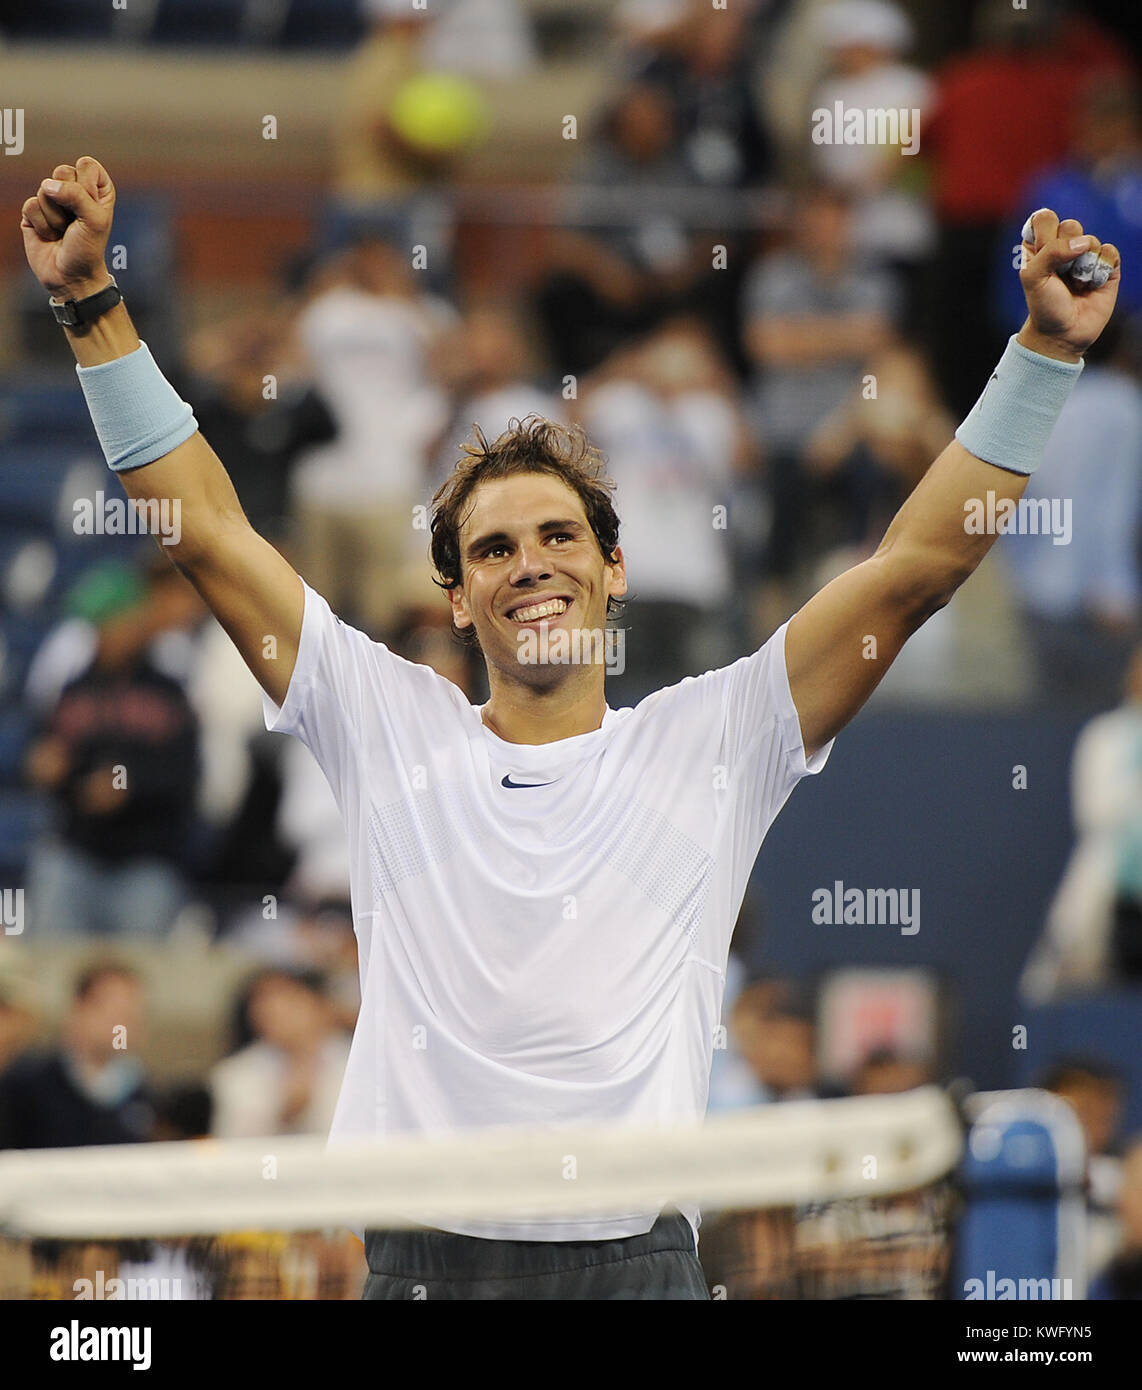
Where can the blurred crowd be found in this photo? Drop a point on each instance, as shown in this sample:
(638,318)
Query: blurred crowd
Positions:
(767,389)
(769,335)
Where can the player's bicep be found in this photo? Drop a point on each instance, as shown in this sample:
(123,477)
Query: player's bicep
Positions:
(840,644)
(249,587)
(259,600)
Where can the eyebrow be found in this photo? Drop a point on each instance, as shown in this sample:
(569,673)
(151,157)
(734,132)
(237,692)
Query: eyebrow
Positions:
(501,537)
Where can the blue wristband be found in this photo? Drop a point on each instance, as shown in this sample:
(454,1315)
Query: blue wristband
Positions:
(137,413)
(1011,422)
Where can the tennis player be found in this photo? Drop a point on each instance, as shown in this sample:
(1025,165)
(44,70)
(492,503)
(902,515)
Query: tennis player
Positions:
(544,887)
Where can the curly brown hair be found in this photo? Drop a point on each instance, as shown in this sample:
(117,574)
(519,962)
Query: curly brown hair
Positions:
(530,445)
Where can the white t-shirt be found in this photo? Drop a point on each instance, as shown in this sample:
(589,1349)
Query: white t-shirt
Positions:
(369,359)
(248,1090)
(539,953)
(670,459)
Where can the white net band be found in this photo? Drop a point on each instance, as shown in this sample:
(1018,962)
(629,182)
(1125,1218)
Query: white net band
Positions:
(798,1152)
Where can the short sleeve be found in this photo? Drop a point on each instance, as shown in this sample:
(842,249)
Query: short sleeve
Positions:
(741,723)
(761,747)
(759,708)
(343,685)
(737,753)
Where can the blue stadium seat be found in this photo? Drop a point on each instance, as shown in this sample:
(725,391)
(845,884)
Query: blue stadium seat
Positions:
(21,636)
(323,24)
(264,23)
(23,816)
(42,411)
(31,477)
(58,19)
(15,730)
(198,22)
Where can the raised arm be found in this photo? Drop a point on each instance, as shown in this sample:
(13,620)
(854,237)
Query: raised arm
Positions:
(840,644)
(254,593)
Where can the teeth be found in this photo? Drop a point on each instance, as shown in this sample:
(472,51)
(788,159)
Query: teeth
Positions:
(551,609)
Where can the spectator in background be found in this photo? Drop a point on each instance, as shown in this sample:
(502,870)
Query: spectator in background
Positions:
(90,1088)
(1093,933)
(368,332)
(18,1014)
(1121,1277)
(602,287)
(374,169)
(892,1245)
(1095,1092)
(1100,183)
(814,315)
(258,427)
(777,1040)
(69,647)
(310,824)
(183,1111)
(313,936)
(383,181)
(892,222)
(885,1072)
(1003,111)
(488,368)
(240,786)
(701,62)
(1082,596)
(119,759)
(286,1079)
(867,456)
(666,415)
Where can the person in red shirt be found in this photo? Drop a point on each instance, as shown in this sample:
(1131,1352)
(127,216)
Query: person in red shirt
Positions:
(1003,110)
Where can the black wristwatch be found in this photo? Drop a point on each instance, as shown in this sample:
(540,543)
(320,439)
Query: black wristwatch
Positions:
(74,312)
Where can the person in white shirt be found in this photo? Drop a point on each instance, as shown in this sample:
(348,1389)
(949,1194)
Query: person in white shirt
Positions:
(367,332)
(665,413)
(1090,939)
(545,887)
(286,1079)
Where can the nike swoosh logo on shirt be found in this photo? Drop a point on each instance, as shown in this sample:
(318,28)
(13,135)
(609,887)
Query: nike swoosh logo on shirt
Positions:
(507,782)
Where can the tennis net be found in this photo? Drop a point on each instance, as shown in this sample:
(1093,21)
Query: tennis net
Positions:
(830,1199)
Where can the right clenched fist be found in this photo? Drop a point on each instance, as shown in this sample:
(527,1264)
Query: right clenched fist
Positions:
(66,229)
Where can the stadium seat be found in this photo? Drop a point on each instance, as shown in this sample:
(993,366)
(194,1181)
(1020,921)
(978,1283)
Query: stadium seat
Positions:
(198,22)
(59,19)
(33,475)
(21,636)
(323,24)
(15,729)
(23,816)
(34,411)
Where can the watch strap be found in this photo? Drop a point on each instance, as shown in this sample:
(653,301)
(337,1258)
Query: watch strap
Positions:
(74,312)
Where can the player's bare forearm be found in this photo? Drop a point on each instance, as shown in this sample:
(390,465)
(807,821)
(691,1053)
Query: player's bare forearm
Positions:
(252,590)
(840,645)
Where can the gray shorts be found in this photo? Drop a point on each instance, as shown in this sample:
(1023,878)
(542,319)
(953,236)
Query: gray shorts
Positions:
(424,1264)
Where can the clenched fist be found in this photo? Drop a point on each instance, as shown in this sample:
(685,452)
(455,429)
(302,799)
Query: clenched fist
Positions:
(1066,315)
(66,226)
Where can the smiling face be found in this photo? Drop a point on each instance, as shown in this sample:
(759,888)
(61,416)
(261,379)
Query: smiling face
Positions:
(531,563)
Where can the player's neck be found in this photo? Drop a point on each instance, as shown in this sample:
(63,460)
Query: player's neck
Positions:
(521,714)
